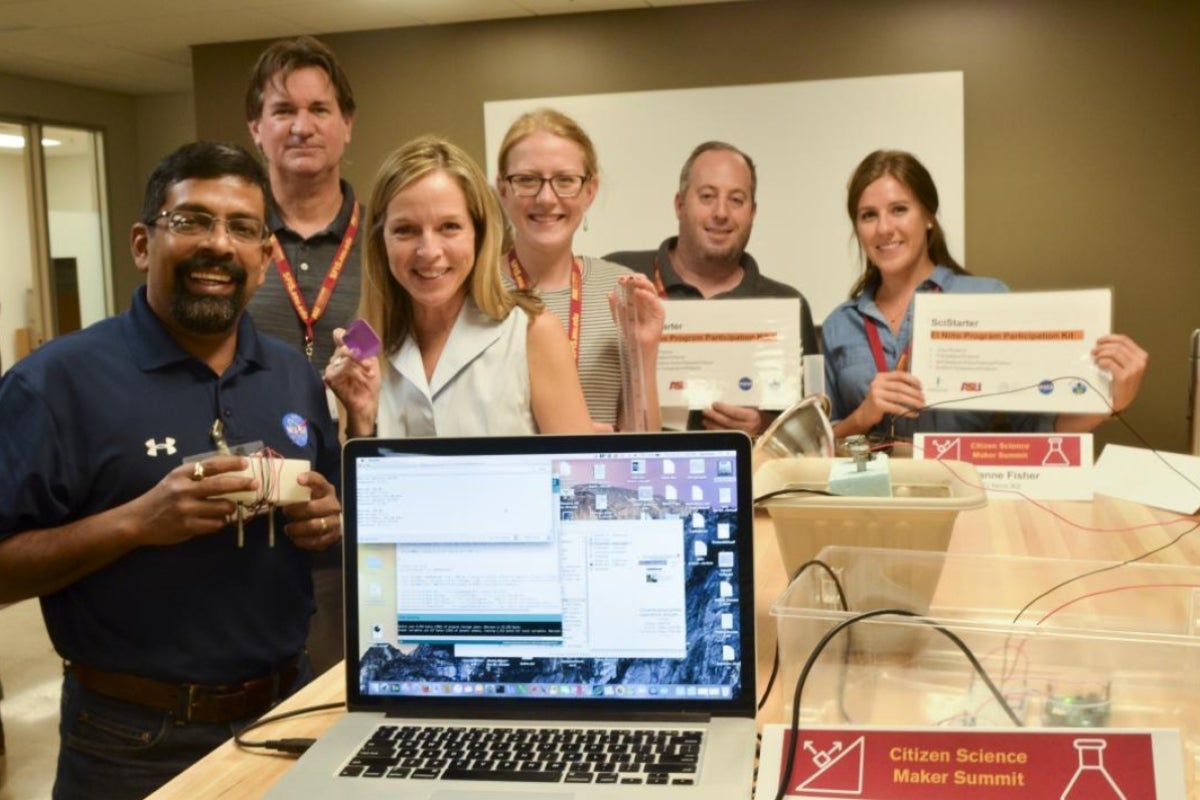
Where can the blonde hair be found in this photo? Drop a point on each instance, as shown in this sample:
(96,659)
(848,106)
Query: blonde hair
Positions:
(383,301)
(551,121)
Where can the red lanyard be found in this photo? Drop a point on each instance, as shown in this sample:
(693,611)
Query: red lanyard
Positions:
(881,364)
(309,318)
(521,279)
(872,327)
(658,281)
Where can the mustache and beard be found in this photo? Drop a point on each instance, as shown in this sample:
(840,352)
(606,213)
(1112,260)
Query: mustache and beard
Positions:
(202,313)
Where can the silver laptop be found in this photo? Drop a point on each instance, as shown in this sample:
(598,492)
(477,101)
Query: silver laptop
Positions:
(544,617)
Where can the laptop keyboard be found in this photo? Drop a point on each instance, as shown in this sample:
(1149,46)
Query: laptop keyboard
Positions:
(535,755)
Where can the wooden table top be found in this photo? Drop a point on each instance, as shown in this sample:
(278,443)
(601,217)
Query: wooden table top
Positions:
(1105,529)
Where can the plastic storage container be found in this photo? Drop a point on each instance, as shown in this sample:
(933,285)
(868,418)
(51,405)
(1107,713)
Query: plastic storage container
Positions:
(1116,649)
(927,496)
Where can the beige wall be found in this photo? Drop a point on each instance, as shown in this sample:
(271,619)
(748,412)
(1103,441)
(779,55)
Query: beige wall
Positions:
(164,122)
(1082,121)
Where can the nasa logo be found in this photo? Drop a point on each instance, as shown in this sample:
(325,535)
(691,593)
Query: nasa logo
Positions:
(296,428)
(745,384)
(1046,387)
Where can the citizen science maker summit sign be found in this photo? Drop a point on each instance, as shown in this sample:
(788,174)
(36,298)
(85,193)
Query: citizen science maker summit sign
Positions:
(1055,466)
(974,764)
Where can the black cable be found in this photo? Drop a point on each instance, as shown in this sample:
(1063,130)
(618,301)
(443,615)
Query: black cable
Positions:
(1141,439)
(845,607)
(1031,386)
(916,411)
(793,490)
(290,746)
(1089,573)
(790,754)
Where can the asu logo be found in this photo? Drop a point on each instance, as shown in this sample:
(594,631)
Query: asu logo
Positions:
(972,386)
(677,386)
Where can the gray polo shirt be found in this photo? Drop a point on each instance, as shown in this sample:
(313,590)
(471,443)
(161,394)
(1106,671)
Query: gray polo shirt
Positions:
(310,258)
(754,284)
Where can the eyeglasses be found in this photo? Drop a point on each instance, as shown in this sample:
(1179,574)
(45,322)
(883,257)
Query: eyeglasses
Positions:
(183,222)
(524,185)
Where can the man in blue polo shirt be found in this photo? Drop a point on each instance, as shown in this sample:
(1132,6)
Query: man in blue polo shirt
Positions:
(173,631)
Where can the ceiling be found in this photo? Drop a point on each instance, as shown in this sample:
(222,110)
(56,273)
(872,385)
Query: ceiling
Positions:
(143,46)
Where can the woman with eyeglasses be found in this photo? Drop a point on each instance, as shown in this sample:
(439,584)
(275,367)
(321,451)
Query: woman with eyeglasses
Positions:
(548,177)
(461,354)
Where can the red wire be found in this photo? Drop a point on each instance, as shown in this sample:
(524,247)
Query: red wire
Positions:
(1059,516)
(1055,610)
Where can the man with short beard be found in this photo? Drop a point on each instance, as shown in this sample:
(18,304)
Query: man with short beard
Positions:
(175,627)
(715,206)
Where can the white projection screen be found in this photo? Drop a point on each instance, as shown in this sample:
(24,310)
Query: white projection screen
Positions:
(805,137)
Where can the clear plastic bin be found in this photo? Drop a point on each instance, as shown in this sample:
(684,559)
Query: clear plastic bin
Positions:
(1116,649)
(927,496)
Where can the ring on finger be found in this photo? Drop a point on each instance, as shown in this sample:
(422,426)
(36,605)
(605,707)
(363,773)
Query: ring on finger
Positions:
(198,472)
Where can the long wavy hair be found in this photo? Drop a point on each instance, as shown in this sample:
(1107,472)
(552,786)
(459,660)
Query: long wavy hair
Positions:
(904,167)
(383,302)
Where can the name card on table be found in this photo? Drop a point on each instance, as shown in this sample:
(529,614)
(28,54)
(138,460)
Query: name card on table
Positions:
(974,763)
(744,352)
(1025,351)
(1044,466)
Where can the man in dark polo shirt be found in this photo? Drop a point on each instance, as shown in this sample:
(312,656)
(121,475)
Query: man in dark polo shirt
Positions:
(175,629)
(715,206)
(300,111)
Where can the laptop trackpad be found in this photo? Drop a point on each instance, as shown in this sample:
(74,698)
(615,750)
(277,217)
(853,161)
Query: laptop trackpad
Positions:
(455,794)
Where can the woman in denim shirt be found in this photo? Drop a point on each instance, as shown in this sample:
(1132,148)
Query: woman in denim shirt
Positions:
(893,202)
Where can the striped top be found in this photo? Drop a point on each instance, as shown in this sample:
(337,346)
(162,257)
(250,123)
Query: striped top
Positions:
(599,343)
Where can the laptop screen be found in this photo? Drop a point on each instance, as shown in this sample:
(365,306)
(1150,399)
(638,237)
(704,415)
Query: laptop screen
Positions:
(551,571)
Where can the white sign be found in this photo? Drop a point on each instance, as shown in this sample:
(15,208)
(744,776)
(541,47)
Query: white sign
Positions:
(955,763)
(745,352)
(1024,351)
(806,137)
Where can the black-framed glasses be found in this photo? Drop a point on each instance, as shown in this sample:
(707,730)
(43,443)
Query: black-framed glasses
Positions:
(527,185)
(185,222)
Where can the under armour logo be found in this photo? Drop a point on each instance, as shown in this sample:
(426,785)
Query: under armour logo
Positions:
(168,446)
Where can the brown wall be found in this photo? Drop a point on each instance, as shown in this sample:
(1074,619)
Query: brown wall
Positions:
(1082,122)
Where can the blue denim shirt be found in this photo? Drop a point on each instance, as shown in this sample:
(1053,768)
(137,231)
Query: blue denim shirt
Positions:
(850,366)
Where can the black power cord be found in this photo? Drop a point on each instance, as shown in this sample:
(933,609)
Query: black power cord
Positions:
(790,754)
(294,747)
(841,598)
(792,490)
